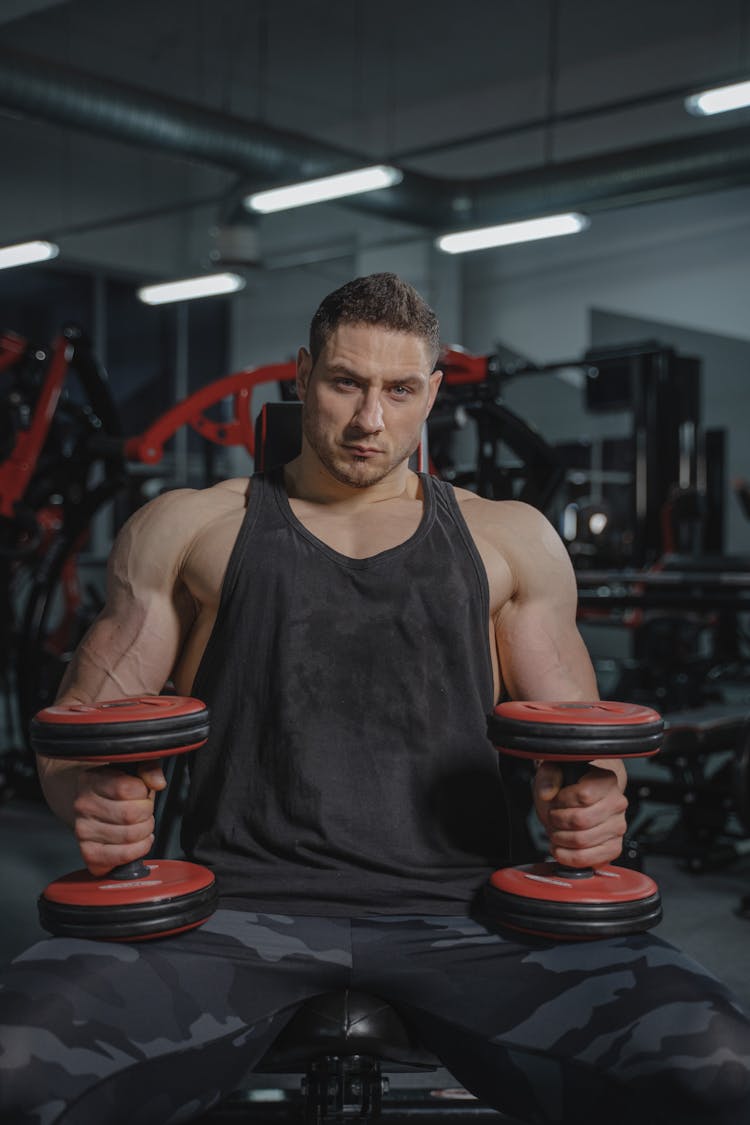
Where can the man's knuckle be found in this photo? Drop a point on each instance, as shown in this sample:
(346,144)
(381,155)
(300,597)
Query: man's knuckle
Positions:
(136,833)
(577,820)
(131,813)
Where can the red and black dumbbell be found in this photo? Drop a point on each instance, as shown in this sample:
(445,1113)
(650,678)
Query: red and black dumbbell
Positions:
(146,898)
(551,899)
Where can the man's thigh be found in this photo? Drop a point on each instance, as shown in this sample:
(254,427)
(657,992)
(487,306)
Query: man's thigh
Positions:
(565,1031)
(137,1031)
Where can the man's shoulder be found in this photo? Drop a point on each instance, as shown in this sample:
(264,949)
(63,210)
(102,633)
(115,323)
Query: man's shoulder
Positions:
(170,523)
(520,548)
(226,495)
(497,516)
(513,529)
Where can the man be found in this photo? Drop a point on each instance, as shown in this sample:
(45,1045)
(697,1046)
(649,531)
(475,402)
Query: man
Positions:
(350,625)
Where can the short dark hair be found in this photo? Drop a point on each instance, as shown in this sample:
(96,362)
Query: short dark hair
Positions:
(381,298)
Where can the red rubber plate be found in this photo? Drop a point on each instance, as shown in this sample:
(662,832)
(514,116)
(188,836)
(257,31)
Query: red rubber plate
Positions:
(575,731)
(537,899)
(175,896)
(129,730)
(540,881)
(167,879)
(600,713)
(142,708)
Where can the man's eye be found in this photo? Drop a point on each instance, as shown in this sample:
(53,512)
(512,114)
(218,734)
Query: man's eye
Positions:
(401,391)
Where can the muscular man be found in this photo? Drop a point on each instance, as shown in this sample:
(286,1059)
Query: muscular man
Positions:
(350,624)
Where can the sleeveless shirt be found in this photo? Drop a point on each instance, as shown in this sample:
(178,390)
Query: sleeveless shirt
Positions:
(348,767)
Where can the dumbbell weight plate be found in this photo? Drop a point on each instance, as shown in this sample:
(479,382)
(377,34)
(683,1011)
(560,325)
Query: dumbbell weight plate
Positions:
(568,731)
(126,730)
(535,898)
(175,896)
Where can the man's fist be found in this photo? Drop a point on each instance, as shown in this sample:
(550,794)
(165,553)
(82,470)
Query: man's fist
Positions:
(584,822)
(114,814)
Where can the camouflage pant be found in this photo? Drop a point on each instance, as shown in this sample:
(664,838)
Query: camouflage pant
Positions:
(620,1030)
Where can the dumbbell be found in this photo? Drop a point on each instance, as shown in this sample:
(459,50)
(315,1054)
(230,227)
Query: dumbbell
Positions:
(551,899)
(142,899)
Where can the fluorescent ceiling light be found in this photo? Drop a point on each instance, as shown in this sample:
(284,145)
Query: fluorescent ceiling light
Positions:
(719,100)
(329,187)
(508,233)
(24,253)
(209,285)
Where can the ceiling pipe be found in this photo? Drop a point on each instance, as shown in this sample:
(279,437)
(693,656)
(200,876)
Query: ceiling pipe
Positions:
(49,91)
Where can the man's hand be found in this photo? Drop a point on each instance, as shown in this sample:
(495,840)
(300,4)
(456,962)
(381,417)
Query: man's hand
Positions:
(114,815)
(585,822)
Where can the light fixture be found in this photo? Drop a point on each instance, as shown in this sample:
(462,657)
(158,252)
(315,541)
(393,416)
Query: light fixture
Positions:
(24,253)
(328,187)
(719,100)
(506,234)
(208,285)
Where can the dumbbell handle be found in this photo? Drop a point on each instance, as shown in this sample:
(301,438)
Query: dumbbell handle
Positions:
(135,869)
(571,771)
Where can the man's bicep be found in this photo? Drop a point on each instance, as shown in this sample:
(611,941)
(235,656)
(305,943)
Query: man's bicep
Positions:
(541,652)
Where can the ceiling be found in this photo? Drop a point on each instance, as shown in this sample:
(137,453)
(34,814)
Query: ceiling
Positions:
(130,131)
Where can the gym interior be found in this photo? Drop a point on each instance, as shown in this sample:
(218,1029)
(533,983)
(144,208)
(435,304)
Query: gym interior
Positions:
(601,376)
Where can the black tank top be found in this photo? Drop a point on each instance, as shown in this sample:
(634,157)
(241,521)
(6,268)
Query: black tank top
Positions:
(348,768)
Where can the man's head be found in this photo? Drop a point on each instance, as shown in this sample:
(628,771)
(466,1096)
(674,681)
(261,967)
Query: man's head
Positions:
(382,299)
(369,379)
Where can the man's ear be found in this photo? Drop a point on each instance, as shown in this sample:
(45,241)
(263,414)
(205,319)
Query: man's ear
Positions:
(304,368)
(435,380)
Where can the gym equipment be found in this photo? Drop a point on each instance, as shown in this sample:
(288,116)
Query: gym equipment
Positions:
(142,899)
(549,898)
(705,778)
(341,1041)
(348,1056)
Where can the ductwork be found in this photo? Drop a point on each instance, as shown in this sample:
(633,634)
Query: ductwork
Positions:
(51,92)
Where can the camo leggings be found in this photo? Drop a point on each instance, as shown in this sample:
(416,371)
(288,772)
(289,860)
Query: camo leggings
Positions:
(623,1030)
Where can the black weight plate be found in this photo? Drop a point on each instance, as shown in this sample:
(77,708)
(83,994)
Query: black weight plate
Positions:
(569,920)
(508,726)
(109,742)
(553,741)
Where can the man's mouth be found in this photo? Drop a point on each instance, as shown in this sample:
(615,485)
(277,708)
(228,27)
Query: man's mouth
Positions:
(363,450)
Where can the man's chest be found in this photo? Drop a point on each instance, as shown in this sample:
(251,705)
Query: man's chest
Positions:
(362,534)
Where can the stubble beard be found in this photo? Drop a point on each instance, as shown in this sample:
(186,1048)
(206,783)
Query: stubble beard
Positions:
(359,472)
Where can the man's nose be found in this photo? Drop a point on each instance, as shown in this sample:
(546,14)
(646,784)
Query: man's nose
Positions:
(369,416)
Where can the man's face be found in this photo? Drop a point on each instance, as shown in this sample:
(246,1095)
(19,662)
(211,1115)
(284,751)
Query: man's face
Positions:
(365,400)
